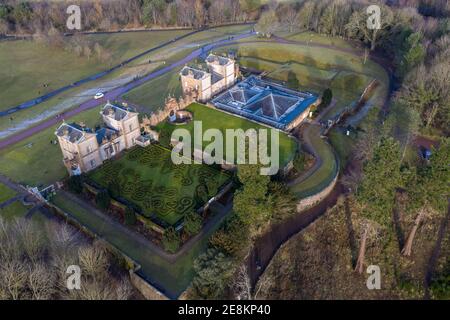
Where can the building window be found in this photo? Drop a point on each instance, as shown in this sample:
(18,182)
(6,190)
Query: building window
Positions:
(92,163)
(133,141)
(88,149)
(131,127)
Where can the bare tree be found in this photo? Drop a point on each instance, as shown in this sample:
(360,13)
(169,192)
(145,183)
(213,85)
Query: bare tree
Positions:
(31,239)
(242,286)
(289,17)
(267,23)
(93,260)
(357,26)
(13,278)
(41,282)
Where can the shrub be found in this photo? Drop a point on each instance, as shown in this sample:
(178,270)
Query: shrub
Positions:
(232,238)
(75,184)
(192,223)
(129,216)
(213,270)
(114,189)
(102,199)
(171,240)
(299,161)
(327,96)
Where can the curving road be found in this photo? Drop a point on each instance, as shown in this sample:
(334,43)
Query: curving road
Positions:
(115,93)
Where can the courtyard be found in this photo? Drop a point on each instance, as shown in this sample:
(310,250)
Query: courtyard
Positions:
(214,118)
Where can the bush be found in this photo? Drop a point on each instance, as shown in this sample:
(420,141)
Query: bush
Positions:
(327,96)
(192,223)
(114,189)
(102,199)
(232,237)
(75,184)
(129,217)
(171,240)
(299,161)
(213,270)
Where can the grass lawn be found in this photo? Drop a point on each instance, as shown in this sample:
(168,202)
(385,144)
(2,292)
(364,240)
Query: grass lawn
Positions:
(149,178)
(324,174)
(342,144)
(315,38)
(35,161)
(214,118)
(14,210)
(170,278)
(151,95)
(315,69)
(27,65)
(6,193)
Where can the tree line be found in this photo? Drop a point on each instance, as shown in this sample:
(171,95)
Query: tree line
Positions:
(29,17)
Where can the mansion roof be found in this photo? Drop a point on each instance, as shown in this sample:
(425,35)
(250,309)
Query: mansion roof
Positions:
(223,61)
(72,132)
(194,73)
(116,112)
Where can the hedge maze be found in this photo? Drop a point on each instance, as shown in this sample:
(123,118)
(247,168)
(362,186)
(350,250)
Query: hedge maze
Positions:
(149,179)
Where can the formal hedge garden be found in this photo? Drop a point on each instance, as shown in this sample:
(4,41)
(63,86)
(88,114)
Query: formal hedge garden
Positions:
(159,189)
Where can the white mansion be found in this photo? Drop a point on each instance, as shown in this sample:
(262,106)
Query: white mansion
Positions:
(221,74)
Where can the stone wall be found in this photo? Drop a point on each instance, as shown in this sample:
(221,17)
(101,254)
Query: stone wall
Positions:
(312,200)
(145,288)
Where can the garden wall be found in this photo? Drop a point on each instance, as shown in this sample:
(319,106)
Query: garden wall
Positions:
(310,201)
(145,288)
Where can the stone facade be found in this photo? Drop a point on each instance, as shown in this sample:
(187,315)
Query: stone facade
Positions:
(84,149)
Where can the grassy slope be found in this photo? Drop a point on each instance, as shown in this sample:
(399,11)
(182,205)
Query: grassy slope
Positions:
(35,160)
(315,69)
(27,65)
(151,95)
(14,210)
(6,193)
(213,118)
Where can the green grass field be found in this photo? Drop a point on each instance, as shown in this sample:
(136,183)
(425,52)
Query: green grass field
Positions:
(28,65)
(149,178)
(214,118)
(315,38)
(151,95)
(6,193)
(35,161)
(315,69)
(14,210)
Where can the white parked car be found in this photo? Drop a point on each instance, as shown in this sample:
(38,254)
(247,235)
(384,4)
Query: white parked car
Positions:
(99,95)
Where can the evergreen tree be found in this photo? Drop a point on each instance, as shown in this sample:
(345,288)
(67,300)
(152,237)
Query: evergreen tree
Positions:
(376,194)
